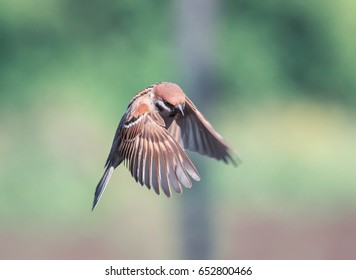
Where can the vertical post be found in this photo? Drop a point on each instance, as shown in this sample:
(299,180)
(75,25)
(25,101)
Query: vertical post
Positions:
(195,41)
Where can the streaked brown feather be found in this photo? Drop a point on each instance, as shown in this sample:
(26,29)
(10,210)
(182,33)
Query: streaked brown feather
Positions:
(155,164)
(143,161)
(164,171)
(154,158)
(148,181)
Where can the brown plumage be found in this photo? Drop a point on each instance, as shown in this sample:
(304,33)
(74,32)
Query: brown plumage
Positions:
(159,124)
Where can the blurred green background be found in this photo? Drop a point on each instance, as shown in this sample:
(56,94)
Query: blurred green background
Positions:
(284,98)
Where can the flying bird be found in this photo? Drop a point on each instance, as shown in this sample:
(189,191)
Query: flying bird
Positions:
(160,123)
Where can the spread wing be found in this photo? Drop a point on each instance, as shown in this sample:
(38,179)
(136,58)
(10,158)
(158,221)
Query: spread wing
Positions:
(153,157)
(193,132)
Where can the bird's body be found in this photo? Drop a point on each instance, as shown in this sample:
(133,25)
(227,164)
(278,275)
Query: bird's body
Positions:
(159,124)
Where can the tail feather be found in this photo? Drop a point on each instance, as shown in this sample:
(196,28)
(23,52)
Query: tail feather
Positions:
(101,185)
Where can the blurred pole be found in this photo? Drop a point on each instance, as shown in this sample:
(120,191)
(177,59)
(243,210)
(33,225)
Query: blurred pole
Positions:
(195,42)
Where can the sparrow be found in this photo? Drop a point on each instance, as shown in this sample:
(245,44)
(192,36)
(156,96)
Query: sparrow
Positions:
(160,123)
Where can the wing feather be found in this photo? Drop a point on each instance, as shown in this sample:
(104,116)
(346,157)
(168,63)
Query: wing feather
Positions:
(154,158)
(143,161)
(148,168)
(164,170)
(193,132)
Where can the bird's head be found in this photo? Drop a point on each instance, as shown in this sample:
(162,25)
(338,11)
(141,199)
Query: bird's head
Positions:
(168,98)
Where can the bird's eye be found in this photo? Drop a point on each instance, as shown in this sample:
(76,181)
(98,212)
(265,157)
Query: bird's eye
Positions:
(162,105)
(169,105)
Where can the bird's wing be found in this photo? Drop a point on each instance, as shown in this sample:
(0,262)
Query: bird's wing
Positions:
(153,157)
(193,132)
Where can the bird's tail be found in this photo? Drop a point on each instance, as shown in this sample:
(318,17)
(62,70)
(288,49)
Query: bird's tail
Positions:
(102,184)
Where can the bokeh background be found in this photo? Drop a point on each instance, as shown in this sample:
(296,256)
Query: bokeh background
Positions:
(275,78)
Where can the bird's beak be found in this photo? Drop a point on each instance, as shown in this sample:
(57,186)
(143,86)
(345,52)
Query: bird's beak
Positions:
(181,109)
